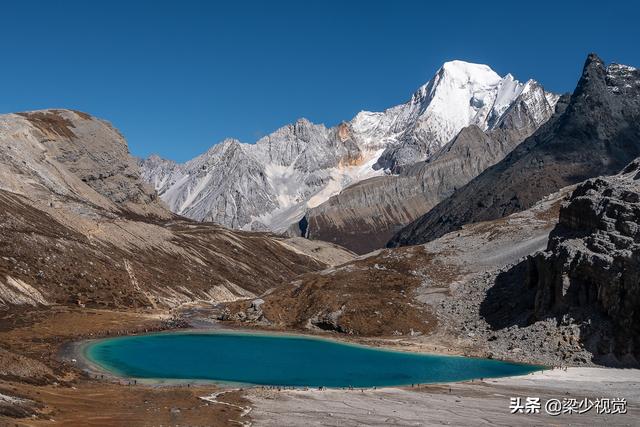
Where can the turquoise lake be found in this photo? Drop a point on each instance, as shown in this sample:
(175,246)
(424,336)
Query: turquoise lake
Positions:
(283,360)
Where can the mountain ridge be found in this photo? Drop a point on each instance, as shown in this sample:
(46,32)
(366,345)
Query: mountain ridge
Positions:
(272,183)
(364,216)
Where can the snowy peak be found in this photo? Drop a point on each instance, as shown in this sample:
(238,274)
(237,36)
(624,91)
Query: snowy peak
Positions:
(529,110)
(464,93)
(461,69)
(508,90)
(459,95)
(460,74)
(463,75)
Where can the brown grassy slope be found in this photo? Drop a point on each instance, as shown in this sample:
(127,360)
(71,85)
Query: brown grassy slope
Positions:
(370,297)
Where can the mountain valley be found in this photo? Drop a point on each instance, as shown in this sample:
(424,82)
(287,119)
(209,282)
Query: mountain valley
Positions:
(509,215)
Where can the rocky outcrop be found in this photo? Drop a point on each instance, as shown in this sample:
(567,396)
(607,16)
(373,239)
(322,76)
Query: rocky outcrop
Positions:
(57,150)
(364,216)
(598,134)
(592,262)
(368,296)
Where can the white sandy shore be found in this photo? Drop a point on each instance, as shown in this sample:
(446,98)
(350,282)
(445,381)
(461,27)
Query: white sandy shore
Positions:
(470,403)
(624,383)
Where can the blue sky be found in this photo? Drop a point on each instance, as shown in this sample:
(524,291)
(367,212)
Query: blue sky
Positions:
(177,77)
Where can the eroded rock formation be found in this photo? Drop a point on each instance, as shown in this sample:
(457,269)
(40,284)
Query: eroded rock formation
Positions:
(592,262)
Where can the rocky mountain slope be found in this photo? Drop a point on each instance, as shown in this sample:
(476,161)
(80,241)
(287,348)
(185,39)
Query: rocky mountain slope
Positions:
(464,292)
(590,268)
(365,216)
(68,154)
(78,226)
(271,184)
(598,134)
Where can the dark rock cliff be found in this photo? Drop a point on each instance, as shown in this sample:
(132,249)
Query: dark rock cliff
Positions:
(592,262)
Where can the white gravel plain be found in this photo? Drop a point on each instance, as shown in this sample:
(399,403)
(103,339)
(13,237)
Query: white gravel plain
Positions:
(475,403)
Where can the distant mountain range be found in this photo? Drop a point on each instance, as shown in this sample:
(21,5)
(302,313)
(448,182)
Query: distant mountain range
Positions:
(271,185)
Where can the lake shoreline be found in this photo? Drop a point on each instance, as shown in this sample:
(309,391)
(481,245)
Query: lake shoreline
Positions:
(76,352)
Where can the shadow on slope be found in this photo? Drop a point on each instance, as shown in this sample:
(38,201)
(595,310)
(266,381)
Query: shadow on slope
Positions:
(512,302)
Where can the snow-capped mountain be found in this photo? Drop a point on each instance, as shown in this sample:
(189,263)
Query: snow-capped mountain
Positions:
(270,185)
(263,186)
(597,134)
(459,95)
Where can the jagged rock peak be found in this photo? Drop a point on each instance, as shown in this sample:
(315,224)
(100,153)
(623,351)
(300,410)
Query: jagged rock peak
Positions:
(593,77)
(228,143)
(597,77)
(155,159)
